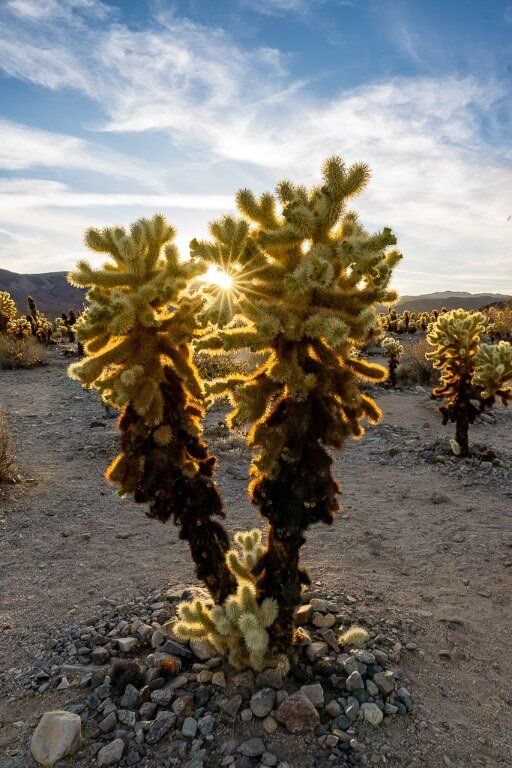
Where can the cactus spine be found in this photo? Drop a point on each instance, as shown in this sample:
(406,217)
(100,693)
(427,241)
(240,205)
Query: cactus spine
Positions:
(309,277)
(470,370)
(137,333)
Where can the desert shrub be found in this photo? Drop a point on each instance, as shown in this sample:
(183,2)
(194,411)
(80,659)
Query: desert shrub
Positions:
(21,353)
(414,367)
(473,374)
(6,459)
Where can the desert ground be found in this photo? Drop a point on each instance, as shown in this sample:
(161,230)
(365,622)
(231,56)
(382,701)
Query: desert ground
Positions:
(422,541)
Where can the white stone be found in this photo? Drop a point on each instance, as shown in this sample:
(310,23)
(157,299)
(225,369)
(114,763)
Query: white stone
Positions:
(58,734)
(372,713)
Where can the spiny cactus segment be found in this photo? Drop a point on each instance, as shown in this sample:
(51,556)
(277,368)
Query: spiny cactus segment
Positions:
(239,628)
(137,334)
(307,277)
(471,371)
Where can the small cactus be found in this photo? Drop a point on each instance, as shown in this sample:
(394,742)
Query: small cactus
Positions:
(394,352)
(471,371)
(8,310)
(238,628)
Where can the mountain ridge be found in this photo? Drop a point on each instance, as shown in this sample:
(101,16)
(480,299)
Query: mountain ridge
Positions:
(53,295)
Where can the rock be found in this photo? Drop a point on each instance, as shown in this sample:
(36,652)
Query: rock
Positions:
(100,655)
(126,717)
(218,678)
(262,702)
(160,727)
(354,682)
(405,697)
(162,697)
(269,759)
(333,709)
(372,713)
(323,621)
(127,644)
(315,693)
(189,727)
(385,682)
(316,649)
(303,615)
(373,690)
(202,649)
(59,733)
(438,498)
(270,725)
(246,715)
(157,638)
(297,713)
(269,678)
(111,753)
(130,698)
(64,683)
(458,538)
(231,706)
(108,723)
(252,748)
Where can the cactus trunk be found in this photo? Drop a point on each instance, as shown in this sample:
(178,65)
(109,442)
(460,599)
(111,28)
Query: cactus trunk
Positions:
(192,498)
(462,431)
(301,493)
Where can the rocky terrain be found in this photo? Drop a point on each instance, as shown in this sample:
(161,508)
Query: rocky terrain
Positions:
(421,556)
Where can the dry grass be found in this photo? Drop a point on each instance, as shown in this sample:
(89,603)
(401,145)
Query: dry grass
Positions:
(6,459)
(24,353)
(414,368)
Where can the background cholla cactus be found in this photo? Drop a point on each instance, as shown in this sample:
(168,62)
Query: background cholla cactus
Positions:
(137,332)
(307,280)
(239,628)
(7,310)
(470,371)
(393,351)
(19,328)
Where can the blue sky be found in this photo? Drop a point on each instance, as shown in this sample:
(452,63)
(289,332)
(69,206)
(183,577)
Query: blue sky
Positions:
(113,110)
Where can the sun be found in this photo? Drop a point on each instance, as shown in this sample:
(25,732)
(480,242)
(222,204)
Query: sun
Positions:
(216,276)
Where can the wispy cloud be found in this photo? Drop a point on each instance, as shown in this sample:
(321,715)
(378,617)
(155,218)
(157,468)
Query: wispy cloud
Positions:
(441,173)
(23,147)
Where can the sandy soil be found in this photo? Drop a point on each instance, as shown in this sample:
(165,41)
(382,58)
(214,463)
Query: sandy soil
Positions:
(67,542)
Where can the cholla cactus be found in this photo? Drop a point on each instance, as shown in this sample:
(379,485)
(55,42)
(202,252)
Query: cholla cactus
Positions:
(306,283)
(137,333)
(470,371)
(393,351)
(239,628)
(19,328)
(7,310)
(41,328)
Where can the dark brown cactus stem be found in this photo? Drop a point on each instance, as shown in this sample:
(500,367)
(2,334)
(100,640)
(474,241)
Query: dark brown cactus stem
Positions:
(301,493)
(393,365)
(175,480)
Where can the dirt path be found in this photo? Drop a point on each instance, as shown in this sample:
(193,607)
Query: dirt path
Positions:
(67,542)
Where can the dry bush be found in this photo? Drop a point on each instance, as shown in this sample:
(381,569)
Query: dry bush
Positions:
(21,353)
(6,460)
(414,367)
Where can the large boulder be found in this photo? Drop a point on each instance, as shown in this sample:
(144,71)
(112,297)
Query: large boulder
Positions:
(57,735)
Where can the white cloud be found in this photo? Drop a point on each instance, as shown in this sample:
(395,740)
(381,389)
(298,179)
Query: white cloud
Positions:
(22,147)
(441,181)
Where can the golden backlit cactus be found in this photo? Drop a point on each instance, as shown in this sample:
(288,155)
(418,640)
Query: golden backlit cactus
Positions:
(7,310)
(238,629)
(137,333)
(394,352)
(470,370)
(19,328)
(307,277)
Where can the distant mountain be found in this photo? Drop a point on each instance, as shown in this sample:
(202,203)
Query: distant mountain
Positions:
(51,291)
(53,295)
(449,299)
